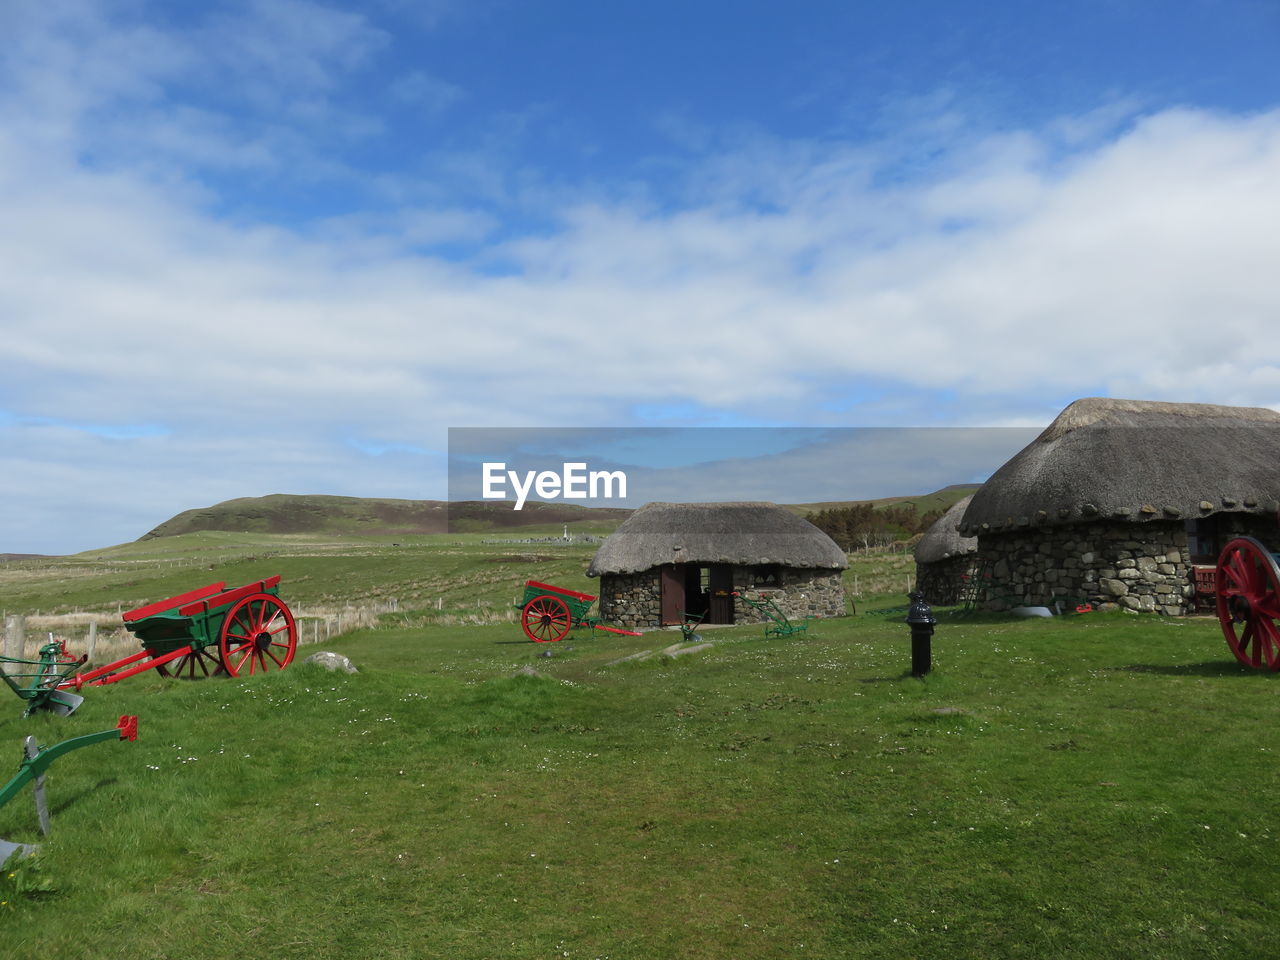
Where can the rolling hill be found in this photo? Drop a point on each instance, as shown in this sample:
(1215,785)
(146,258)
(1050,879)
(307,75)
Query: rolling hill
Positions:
(282,513)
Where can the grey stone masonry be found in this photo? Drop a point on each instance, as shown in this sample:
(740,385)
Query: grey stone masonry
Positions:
(802,593)
(1141,567)
(944,581)
(631,599)
(634,600)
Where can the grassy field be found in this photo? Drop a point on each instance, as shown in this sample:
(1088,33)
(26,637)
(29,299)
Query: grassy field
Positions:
(1096,786)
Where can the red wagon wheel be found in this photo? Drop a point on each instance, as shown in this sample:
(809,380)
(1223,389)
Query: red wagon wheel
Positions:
(1249,597)
(193,666)
(257,636)
(546,619)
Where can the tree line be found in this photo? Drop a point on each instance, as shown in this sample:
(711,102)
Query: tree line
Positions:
(862,526)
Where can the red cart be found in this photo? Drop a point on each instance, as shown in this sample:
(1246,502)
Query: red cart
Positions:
(206,632)
(547,613)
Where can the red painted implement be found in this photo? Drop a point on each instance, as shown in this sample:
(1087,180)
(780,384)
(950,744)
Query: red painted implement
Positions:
(206,632)
(1248,587)
(548,612)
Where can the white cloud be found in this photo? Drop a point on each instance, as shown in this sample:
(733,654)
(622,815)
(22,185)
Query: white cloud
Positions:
(1082,275)
(1081,257)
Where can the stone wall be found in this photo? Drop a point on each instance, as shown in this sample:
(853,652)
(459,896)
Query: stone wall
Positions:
(1131,566)
(944,582)
(631,599)
(634,600)
(802,593)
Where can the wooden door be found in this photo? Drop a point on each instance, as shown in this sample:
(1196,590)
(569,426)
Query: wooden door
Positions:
(673,577)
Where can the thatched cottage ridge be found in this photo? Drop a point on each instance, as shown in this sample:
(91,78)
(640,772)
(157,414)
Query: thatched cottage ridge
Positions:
(945,558)
(671,559)
(1117,500)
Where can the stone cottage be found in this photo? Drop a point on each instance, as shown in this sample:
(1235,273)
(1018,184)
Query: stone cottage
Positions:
(945,560)
(671,559)
(1117,501)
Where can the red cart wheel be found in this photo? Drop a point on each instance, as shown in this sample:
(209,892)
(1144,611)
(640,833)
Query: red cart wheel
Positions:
(193,666)
(1249,597)
(258,635)
(546,619)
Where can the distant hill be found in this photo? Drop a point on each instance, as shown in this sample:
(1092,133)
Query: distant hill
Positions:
(922,503)
(285,513)
(366,516)
(290,513)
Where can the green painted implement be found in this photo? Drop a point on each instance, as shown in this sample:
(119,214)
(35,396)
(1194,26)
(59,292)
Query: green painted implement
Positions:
(776,623)
(37,759)
(37,681)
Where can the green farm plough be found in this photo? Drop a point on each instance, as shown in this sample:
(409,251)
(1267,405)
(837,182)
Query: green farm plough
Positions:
(37,759)
(776,623)
(37,681)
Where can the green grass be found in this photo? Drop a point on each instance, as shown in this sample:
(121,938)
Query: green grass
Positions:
(1094,787)
(462,572)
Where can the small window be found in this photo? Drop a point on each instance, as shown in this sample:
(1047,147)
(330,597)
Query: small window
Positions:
(1203,539)
(770,576)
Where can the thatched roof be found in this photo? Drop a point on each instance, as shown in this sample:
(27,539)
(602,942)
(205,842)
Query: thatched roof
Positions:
(739,533)
(1135,461)
(942,541)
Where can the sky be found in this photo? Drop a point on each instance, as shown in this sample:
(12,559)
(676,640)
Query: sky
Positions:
(632,466)
(282,246)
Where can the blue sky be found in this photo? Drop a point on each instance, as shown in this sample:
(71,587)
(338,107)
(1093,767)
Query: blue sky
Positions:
(283,246)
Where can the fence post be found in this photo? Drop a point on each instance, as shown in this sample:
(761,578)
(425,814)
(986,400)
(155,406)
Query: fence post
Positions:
(15,636)
(92,642)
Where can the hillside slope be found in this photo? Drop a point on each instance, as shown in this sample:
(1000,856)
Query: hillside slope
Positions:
(289,513)
(282,513)
(365,516)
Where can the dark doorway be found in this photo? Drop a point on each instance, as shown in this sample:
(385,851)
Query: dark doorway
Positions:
(698,592)
(720,593)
